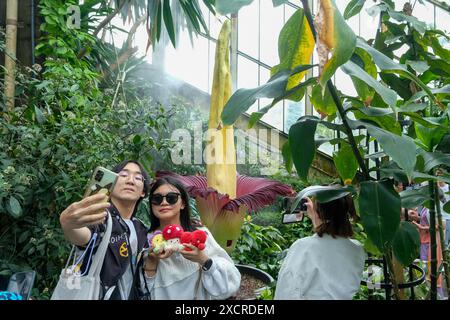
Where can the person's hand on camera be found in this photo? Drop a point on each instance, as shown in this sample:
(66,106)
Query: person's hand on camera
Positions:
(312,213)
(87,212)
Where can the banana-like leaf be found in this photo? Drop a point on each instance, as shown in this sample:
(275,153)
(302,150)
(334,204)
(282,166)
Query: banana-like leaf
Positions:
(301,142)
(434,159)
(333,36)
(431,137)
(381,116)
(388,95)
(346,163)
(295,47)
(380,209)
(363,60)
(406,243)
(414,198)
(405,156)
(389,66)
(243,99)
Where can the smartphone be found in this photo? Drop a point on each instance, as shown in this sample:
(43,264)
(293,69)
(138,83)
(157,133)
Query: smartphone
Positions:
(297,214)
(102,181)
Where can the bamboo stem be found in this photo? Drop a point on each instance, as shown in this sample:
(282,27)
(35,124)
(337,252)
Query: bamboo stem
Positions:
(433,244)
(11,51)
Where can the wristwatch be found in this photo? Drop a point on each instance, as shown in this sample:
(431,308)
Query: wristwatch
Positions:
(207,265)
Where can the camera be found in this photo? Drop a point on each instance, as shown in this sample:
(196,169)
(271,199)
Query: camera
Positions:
(288,203)
(297,212)
(99,175)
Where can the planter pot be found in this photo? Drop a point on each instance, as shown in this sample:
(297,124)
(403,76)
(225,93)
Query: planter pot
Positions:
(253,281)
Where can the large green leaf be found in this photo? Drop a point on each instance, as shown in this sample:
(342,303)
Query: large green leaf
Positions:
(388,95)
(434,159)
(380,208)
(301,142)
(390,66)
(431,137)
(413,21)
(404,156)
(257,115)
(243,99)
(346,163)
(331,32)
(295,48)
(225,7)
(414,198)
(353,8)
(384,118)
(364,60)
(406,243)
(322,194)
(324,104)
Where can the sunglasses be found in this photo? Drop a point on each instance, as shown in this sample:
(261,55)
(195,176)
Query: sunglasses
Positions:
(171,198)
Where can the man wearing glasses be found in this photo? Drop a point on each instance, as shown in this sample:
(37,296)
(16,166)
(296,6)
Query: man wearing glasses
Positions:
(82,219)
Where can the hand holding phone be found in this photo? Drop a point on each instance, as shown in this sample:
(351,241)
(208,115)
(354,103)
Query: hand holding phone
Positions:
(102,181)
(90,210)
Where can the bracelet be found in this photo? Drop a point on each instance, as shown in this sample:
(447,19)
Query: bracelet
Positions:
(149,269)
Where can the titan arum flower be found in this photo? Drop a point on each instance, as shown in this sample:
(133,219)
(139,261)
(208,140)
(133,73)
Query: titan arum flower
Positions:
(224,197)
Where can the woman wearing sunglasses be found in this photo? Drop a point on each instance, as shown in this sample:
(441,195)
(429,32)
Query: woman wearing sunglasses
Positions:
(195,274)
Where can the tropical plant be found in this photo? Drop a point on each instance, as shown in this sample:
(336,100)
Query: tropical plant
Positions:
(224,197)
(401,108)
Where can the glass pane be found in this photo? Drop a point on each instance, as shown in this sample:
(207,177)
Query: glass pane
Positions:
(274,116)
(264,75)
(424,12)
(248,29)
(292,111)
(271,24)
(368,24)
(188,63)
(344,83)
(247,77)
(443,20)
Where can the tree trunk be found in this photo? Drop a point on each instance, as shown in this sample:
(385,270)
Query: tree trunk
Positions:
(10,54)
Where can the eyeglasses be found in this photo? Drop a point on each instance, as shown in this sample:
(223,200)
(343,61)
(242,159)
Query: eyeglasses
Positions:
(139,178)
(171,198)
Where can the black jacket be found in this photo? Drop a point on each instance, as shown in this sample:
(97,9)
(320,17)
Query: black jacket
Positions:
(118,254)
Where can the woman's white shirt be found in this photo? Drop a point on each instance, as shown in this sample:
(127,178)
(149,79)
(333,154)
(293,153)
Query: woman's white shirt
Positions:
(176,277)
(317,268)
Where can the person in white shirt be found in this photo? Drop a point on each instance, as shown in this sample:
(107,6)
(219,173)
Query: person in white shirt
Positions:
(188,275)
(327,265)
